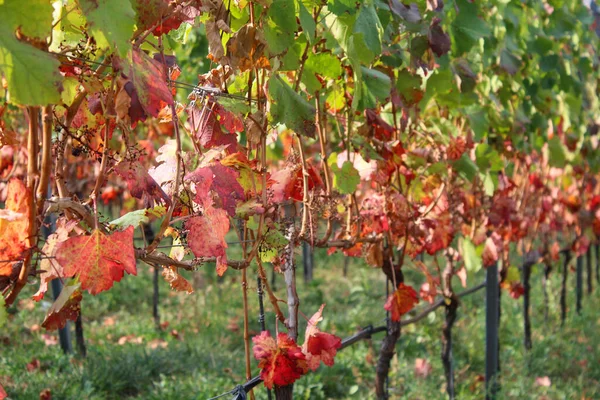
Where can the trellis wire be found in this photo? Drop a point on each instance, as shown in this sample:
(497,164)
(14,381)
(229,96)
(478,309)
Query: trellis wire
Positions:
(365,333)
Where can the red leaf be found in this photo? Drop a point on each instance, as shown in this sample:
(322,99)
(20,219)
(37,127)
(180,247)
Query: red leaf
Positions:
(319,346)
(3,394)
(99,259)
(207,129)
(152,13)
(67,306)
(222,180)
(401,301)
(140,183)
(149,83)
(281,362)
(206,236)
(14,225)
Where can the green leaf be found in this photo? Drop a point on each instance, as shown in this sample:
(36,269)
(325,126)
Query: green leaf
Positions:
(324,64)
(137,217)
(111,23)
(133,218)
(32,17)
(281,26)
(408,86)
(466,168)
(488,184)
(345,179)
(307,22)
(375,86)
(467,28)
(468,251)
(367,23)
(289,108)
(32,75)
(557,156)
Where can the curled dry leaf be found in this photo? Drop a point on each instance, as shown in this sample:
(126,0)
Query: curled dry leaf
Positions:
(176,281)
(99,259)
(66,307)
(422,368)
(246,49)
(543,381)
(490,253)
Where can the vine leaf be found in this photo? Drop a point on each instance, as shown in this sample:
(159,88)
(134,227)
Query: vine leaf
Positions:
(206,236)
(32,75)
(401,301)
(99,259)
(223,181)
(345,178)
(50,268)
(140,183)
(289,108)
(207,129)
(14,225)
(111,23)
(281,362)
(176,281)
(32,17)
(280,26)
(319,346)
(148,85)
(152,13)
(66,307)
(439,41)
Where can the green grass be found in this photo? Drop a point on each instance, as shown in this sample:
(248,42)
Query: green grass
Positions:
(205,357)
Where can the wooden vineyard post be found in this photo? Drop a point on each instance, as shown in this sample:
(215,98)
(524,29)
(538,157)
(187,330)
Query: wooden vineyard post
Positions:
(450,311)
(563,288)
(545,280)
(597,248)
(64,333)
(588,261)
(491,332)
(579,283)
(526,297)
(79,339)
(307,261)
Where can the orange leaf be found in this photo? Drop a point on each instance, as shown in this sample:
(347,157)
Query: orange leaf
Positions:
(401,301)
(99,259)
(176,281)
(14,225)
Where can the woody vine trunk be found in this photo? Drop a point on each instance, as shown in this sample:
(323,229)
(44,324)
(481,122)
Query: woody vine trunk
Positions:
(388,346)
(289,274)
